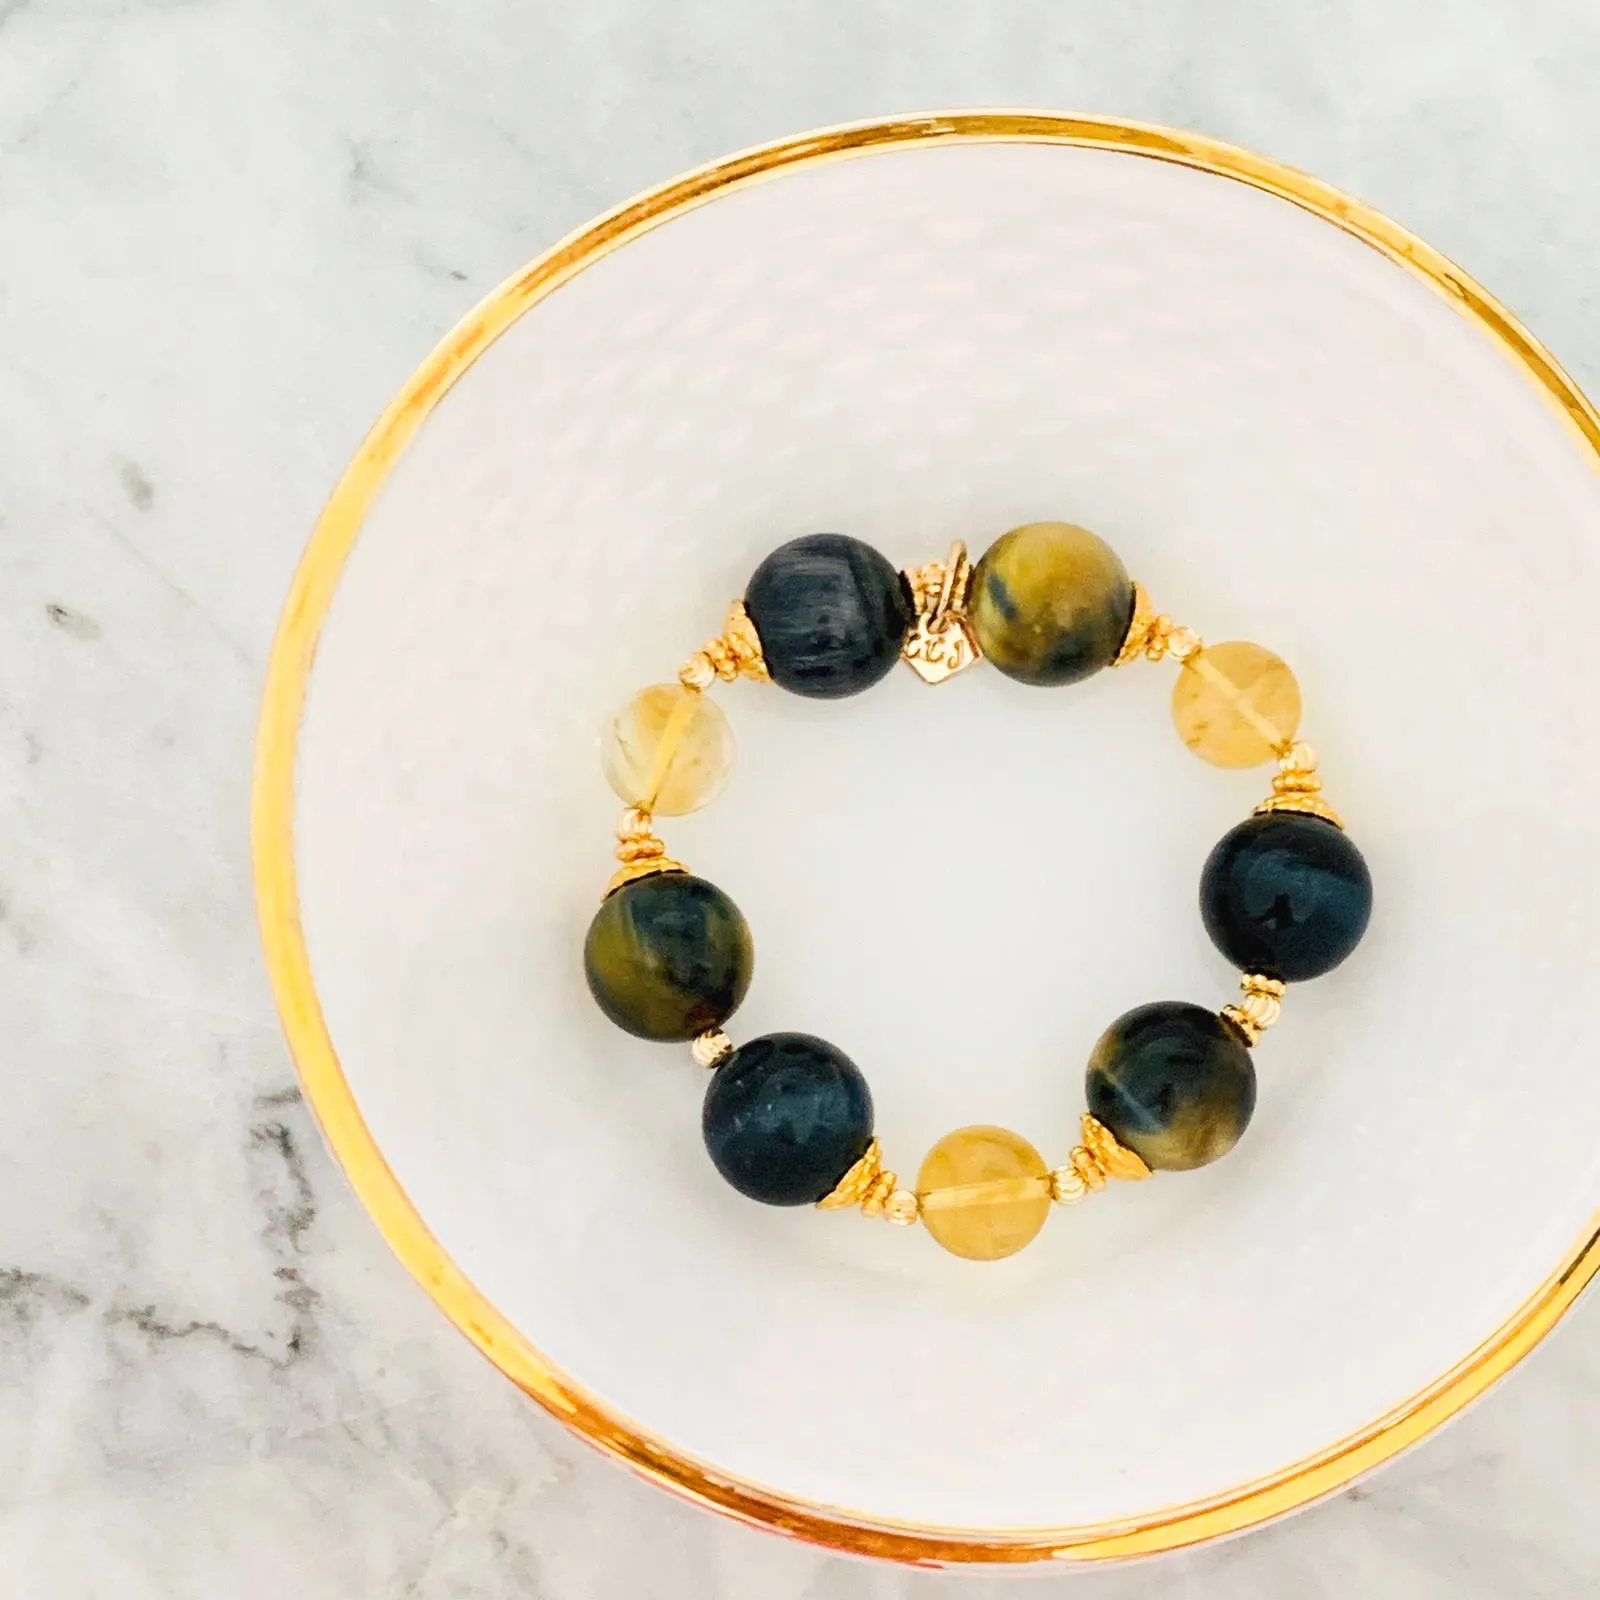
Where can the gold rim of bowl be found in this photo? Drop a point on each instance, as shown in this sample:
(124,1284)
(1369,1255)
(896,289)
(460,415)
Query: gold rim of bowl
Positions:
(329,1094)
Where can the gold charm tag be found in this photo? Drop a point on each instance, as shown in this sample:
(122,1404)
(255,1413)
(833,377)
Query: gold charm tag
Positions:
(940,644)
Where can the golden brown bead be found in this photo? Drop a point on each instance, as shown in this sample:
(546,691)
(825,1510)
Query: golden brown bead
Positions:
(1050,603)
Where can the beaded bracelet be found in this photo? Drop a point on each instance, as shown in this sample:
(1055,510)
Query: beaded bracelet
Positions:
(788,1118)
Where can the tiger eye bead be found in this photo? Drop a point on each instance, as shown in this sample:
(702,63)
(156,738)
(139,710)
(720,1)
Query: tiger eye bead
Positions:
(785,1117)
(668,751)
(1286,895)
(668,956)
(1050,603)
(1174,1083)
(831,614)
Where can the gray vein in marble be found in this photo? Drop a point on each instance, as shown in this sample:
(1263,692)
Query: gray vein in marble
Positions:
(79,624)
(108,527)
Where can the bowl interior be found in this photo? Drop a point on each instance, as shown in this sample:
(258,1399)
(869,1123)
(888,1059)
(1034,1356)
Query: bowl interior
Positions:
(1289,439)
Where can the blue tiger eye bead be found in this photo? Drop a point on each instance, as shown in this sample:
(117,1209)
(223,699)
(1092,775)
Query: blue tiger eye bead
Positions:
(785,1117)
(1286,895)
(831,614)
(1174,1083)
(668,956)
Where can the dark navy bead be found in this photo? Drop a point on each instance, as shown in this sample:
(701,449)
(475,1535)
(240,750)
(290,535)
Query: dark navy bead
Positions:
(831,614)
(1286,895)
(1174,1083)
(668,956)
(786,1116)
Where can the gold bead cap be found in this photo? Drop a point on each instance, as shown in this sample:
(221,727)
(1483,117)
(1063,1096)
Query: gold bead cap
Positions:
(735,652)
(1097,1159)
(1297,786)
(870,1185)
(1154,635)
(639,850)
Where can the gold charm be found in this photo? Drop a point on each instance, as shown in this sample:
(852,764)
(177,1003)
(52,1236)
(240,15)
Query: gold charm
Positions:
(940,643)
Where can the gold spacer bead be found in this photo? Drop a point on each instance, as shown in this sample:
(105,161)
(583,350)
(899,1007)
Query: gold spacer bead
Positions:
(635,823)
(710,1048)
(879,1192)
(1090,1173)
(697,672)
(1299,759)
(641,853)
(1067,1187)
(870,1185)
(1099,1158)
(735,651)
(1297,786)
(1181,644)
(1155,636)
(1260,1007)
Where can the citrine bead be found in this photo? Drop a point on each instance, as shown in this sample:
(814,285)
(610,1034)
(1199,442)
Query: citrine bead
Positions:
(668,751)
(1235,704)
(985,1192)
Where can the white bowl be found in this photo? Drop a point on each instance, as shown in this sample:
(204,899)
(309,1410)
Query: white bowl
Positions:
(1297,424)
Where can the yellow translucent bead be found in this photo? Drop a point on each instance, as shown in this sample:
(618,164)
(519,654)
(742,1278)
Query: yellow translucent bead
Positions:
(668,751)
(984,1192)
(1236,705)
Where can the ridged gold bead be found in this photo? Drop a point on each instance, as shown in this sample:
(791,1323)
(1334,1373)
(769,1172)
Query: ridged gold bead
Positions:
(708,1049)
(1067,1187)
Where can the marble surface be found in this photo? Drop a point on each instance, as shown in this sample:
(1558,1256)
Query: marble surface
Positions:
(228,229)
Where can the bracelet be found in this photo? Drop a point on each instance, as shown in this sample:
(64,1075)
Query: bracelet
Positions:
(788,1118)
